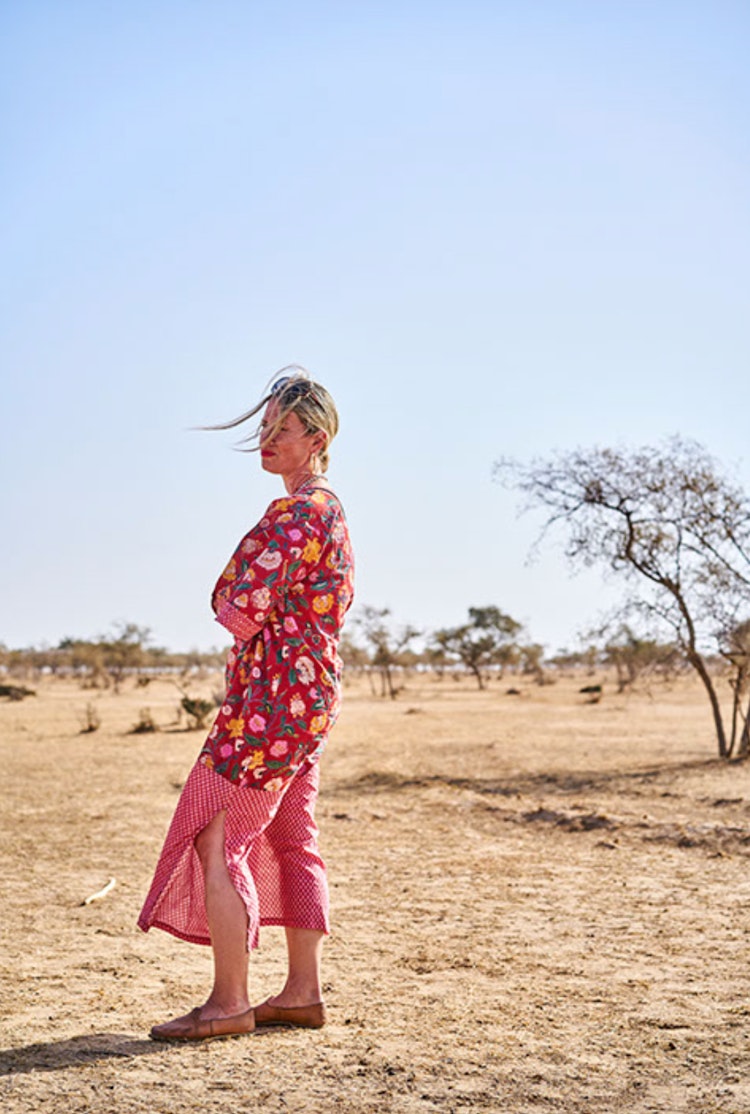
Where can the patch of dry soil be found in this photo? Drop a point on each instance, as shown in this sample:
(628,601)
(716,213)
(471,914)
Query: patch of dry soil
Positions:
(538,905)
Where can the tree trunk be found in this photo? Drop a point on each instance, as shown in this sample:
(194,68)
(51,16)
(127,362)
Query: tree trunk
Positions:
(478,674)
(736,712)
(699,665)
(744,750)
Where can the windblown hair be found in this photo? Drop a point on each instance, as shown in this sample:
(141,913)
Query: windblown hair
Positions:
(295,393)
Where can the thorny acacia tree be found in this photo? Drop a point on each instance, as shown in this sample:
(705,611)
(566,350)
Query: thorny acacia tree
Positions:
(487,639)
(671,523)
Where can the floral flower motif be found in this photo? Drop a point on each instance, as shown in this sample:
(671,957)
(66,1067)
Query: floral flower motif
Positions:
(256,724)
(274,785)
(279,748)
(269,559)
(226,750)
(241,600)
(235,727)
(230,571)
(322,604)
(261,598)
(253,760)
(255,673)
(249,545)
(311,552)
(317,723)
(295,534)
(297,706)
(290,625)
(226,709)
(305,670)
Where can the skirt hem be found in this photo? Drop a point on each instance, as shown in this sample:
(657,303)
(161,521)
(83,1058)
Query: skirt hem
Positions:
(191,938)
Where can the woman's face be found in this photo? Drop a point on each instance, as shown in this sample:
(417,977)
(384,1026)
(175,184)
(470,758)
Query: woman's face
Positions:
(292,446)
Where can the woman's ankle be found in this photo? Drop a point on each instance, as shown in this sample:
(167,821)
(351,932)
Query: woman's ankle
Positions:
(225,1005)
(298,994)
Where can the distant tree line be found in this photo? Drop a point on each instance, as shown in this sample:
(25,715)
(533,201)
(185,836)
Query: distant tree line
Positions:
(491,645)
(105,661)
(488,646)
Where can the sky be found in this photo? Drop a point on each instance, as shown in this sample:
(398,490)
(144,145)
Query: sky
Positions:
(489,228)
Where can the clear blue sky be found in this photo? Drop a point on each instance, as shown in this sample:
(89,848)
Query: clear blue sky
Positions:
(489,228)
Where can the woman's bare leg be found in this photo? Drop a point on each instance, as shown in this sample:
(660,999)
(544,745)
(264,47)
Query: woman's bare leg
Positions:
(303,986)
(227,922)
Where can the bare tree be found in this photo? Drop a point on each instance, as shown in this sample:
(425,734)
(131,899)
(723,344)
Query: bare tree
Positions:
(354,657)
(670,523)
(635,657)
(387,646)
(125,652)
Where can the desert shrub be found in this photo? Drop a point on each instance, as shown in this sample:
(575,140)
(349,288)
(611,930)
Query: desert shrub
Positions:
(15,692)
(197,710)
(91,720)
(593,693)
(144,724)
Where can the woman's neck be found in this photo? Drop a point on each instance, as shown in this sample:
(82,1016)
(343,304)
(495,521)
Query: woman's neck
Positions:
(296,480)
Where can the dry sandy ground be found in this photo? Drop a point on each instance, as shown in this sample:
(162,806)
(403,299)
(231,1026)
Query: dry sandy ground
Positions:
(539,905)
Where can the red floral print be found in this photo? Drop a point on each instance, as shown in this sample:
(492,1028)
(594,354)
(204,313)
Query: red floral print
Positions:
(283,596)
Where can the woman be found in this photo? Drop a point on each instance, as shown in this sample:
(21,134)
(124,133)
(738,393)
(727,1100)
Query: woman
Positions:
(242,850)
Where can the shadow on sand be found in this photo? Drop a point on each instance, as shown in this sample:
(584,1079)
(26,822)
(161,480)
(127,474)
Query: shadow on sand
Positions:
(528,784)
(73,1052)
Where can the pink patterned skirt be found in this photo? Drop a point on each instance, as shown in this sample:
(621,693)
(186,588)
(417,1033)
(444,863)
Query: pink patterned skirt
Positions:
(271,851)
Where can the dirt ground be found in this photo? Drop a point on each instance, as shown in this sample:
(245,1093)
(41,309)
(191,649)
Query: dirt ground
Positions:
(539,904)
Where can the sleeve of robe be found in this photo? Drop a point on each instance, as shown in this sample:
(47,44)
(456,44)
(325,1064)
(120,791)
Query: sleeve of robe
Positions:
(266,563)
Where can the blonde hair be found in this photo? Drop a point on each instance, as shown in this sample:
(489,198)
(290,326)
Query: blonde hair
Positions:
(295,393)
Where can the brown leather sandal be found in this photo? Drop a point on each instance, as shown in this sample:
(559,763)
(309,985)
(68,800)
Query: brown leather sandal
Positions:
(298,1017)
(195,1028)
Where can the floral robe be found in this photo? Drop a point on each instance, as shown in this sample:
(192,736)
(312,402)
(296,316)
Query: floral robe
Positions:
(283,596)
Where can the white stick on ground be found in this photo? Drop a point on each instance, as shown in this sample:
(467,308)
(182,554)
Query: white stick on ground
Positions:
(100,893)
